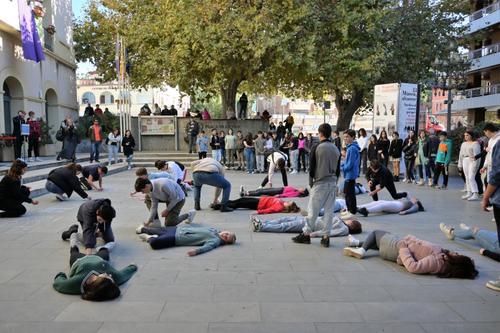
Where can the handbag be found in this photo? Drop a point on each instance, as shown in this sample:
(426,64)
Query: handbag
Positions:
(60,134)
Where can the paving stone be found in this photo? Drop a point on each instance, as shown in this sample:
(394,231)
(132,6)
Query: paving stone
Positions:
(372,328)
(310,312)
(152,328)
(260,328)
(407,312)
(204,312)
(477,311)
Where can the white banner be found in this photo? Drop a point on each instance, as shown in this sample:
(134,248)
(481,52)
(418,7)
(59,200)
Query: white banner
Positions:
(407,109)
(385,108)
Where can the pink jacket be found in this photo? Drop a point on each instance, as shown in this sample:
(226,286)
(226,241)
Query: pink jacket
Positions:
(420,257)
(289,192)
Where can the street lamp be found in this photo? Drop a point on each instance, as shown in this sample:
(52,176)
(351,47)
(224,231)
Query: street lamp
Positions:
(449,75)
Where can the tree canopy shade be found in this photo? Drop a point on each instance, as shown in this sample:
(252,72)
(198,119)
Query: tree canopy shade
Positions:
(302,47)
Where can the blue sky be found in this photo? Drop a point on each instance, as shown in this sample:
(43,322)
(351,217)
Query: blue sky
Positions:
(78,6)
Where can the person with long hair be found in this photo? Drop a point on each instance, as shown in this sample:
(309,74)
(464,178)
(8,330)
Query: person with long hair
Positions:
(468,164)
(64,181)
(423,153)
(12,193)
(230,144)
(402,207)
(92,276)
(383,148)
(372,152)
(240,148)
(416,255)
(294,224)
(278,192)
(302,152)
(263,205)
(410,153)
(395,151)
(128,144)
(249,152)
(114,142)
(70,140)
(363,149)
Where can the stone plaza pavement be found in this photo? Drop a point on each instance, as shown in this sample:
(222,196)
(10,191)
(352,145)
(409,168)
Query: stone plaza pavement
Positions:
(265,283)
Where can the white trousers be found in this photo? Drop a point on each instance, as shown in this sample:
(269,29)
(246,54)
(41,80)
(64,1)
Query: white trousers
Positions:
(470,170)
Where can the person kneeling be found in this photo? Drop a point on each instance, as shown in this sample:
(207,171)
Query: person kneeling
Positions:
(205,237)
(417,256)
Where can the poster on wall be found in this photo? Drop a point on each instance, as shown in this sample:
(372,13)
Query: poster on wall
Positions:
(407,108)
(385,108)
(152,125)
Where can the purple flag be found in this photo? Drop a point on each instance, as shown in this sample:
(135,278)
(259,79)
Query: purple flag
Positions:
(32,46)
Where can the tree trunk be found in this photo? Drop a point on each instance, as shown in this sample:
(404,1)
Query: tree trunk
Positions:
(228,95)
(347,107)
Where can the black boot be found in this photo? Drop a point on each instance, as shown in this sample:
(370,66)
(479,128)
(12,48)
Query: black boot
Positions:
(325,241)
(302,239)
(225,209)
(71,230)
(197,205)
(363,211)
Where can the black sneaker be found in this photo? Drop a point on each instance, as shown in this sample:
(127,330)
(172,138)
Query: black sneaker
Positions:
(225,209)
(197,205)
(71,230)
(363,211)
(302,239)
(325,241)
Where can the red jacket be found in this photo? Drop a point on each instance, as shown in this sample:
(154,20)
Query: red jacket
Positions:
(269,205)
(35,128)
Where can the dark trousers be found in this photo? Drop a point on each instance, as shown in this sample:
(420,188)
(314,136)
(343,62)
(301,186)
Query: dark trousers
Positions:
(479,182)
(391,188)
(166,237)
(33,146)
(272,191)
(372,241)
(410,165)
(302,159)
(245,203)
(18,144)
(441,168)
(75,254)
(192,143)
(496,214)
(202,155)
(283,176)
(363,161)
(350,195)
(11,208)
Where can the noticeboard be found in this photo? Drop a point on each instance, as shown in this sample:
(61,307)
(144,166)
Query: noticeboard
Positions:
(157,125)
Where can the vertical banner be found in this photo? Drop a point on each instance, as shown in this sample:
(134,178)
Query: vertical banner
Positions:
(385,108)
(407,109)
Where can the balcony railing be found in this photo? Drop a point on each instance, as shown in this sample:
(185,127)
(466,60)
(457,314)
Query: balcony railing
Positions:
(483,52)
(484,11)
(478,92)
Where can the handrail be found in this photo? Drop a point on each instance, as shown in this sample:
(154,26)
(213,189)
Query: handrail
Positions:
(480,91)
(484,11)
(484,51)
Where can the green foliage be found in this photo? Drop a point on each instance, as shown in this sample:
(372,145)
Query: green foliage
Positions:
(47,133)
(457,137)
(107,120)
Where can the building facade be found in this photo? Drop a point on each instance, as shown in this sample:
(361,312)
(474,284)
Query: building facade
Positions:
(108,96)
(49,87)
(481,99)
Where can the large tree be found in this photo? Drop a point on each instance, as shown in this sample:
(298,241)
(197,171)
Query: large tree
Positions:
(213,45)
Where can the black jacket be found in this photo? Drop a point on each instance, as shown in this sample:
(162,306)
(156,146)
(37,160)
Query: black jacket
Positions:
(433,145)
(396,148)
(128,144)
(383,145)
(410,151)
(67,181)
(215,142)
(382,177)
(88,219)
(372,151)
(17,121)
(11,189)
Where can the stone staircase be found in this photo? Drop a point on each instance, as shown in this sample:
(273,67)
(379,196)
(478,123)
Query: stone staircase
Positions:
(38,172)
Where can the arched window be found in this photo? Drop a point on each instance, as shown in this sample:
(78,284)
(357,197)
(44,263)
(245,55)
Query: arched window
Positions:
(88,97)
(106,98)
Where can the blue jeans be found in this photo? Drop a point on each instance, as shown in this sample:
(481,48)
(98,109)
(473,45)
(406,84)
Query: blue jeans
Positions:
(53,188)
(487,239)
(294,159)
(94,151)
(322,195)
(212,179)
(284,224)
(112,153)
(249,157)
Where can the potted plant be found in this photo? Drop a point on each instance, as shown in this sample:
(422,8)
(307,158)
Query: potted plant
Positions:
(47,145)
(7,147)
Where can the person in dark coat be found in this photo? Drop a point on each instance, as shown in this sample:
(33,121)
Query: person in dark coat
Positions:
(395,151)
(70,140)
(128,144)
(17,122)
(64,180)
(12,193)
(372,148)
(383,148)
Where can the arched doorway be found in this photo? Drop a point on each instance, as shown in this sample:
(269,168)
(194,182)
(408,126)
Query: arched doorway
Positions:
(13,102)
(51,109)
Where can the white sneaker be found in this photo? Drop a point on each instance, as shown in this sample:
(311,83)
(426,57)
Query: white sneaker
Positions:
(293,172)
(466,196)
(138,230)
(421,182)
(61,197)
(354,252)
(473,197)
(447,230)
(129,167)
(351,241)
(430,182)
(145,237)
(31,159)
(464,226)
(37,159)
(191,215)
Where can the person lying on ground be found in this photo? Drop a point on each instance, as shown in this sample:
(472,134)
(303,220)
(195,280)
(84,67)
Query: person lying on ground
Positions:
(64,180)
(169,192)
(92,276)
(403,206)
(206,238)
(487,240)
(278,192)
(95,218)
(263,205)
(417,256)
(90,174)
(294,224)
